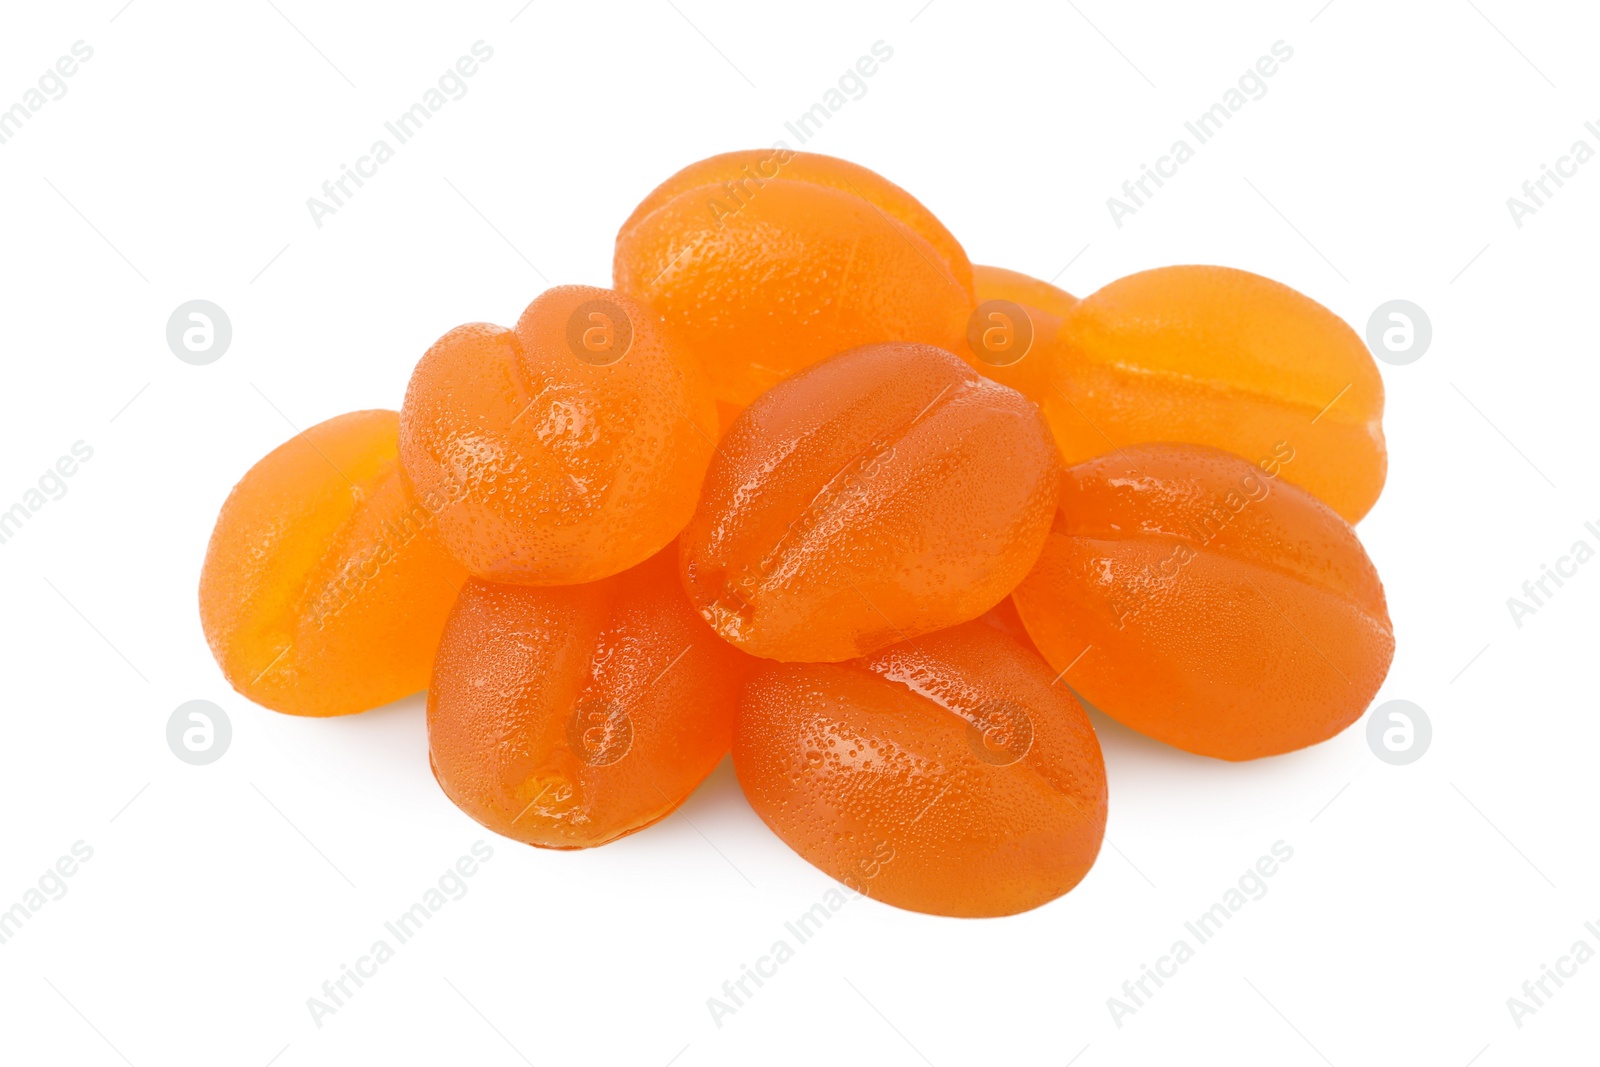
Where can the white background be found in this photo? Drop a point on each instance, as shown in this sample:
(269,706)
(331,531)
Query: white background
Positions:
(220,898)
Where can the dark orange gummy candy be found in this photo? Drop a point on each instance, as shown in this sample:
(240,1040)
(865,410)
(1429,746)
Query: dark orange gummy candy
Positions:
(325,587)
(946,774)
(569,716)
(1193,597)
(565,450)
(769,261)
(883,494)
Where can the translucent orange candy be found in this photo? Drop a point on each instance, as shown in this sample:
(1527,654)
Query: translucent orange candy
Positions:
(1012,336)
(947,774)
(1041,298)
(565,450)
(325,587)
(883,494)
(569,716)
(1192,596)
(768,261)
(1225,358)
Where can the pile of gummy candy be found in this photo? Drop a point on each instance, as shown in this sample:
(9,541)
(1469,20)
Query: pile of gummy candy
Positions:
(809,486)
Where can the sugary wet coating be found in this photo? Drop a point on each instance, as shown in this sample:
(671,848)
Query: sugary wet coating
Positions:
(325,587)
(568,716)
(565,450)
(769,261)
(945,774)
(883,494)
(1197,599)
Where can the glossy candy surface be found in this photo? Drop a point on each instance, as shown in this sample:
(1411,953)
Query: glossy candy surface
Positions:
(945,774)
(1222,357)
(569,716)
(564,450)
(1195,598)
(768,261)
(325,587)
(883,494)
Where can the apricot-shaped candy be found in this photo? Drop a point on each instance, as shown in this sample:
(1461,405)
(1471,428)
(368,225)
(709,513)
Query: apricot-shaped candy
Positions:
(1196,599)
(325,587)
(883,494)
(568,716)
(562,451)
(1013,336)
(998,283)
(948,774)
(1225,358)
(769,261)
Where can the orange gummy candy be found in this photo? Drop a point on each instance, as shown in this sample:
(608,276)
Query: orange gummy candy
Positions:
(945,774)
(325,587)
(997,283)
(1196,599)
(1012,336)
(562,451)
(883,494)
(569,716)
(769,261)
(1225,358)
